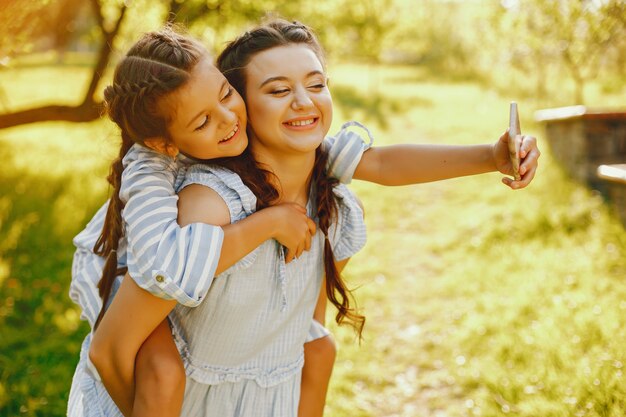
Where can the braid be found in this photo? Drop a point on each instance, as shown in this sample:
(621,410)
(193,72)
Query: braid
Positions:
(336,289)
(112,231)
(157,65)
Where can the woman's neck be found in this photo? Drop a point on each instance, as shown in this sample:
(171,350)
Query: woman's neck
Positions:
(292,173)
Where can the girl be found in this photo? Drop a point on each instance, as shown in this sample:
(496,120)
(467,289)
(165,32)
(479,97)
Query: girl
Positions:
(480,158)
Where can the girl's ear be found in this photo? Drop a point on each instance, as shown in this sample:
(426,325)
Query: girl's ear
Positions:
(162,146)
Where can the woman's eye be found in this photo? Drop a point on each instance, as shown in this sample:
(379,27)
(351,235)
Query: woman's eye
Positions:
(228,93)
(204,123)
(279,91)
(318,86)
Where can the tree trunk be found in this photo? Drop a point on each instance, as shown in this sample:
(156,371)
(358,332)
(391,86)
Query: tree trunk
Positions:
(85,112)
(577,77)
(89,109)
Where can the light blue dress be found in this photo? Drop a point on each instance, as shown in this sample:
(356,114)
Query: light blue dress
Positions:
(243,345)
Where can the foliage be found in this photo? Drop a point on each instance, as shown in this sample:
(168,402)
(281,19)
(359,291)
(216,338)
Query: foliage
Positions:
(440,36)
(29,26)
(543,38)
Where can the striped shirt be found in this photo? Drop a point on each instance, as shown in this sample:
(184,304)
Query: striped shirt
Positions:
(167,260)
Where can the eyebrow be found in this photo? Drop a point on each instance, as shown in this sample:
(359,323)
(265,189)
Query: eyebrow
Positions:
(203,110)
(283,78)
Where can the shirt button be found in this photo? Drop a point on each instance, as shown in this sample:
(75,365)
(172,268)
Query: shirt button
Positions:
(159,278)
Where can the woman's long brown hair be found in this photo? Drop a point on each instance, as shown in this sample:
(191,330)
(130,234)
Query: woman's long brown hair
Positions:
(232,62)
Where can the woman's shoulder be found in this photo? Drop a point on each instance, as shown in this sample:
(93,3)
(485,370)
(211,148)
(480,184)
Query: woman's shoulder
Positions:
(226,183)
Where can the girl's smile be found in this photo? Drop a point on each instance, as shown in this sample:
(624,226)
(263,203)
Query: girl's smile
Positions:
(231,137)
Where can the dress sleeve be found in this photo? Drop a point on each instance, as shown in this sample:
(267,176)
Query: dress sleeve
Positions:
(87,268)
(238,197)
(169,261)
(86,272)
(345,150)
(348,235)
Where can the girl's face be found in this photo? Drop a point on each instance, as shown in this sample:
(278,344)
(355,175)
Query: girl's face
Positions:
(289,105)
(207,115)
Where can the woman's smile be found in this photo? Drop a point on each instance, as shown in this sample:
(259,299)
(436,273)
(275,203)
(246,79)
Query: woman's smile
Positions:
(302,123)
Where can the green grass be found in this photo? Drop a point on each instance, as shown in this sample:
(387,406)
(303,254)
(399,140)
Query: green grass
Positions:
(480,301)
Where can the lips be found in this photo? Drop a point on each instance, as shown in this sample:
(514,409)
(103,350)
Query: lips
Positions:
(302,123)
(230,135)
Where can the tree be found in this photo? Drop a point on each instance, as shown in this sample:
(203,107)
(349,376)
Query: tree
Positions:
(362,26)
(89,109)
(582,37)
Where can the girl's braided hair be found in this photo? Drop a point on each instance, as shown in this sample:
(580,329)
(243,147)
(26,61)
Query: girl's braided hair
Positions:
(232,62)
(157,65)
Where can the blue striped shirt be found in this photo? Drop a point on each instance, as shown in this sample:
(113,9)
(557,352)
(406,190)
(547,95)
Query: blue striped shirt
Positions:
(170,261)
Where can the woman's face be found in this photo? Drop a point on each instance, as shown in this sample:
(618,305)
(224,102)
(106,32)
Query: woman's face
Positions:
(208,117)
(289,105)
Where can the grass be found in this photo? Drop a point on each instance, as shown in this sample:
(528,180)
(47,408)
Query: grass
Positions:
(480,301)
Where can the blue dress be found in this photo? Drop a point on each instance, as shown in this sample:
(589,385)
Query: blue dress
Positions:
(243,345)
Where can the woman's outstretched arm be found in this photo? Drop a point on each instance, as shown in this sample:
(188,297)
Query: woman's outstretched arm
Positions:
(418,163)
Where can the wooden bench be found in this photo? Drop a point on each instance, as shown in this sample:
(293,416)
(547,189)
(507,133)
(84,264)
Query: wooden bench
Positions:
(615,178)
(581,139)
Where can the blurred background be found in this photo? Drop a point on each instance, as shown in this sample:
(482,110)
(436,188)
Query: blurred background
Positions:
(480,301)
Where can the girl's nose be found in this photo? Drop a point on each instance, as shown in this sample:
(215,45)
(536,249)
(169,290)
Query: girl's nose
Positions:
(227,116)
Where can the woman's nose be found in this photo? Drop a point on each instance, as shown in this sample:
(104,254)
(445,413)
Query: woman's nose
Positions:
(301,99)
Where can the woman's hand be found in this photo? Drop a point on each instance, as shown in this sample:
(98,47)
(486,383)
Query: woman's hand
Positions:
(293,228)
(528,153)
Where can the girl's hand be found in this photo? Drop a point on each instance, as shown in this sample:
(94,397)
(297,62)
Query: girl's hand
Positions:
(293,228)
(529,155)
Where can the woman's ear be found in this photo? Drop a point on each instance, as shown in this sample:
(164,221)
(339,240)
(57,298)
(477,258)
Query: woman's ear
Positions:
(162,146)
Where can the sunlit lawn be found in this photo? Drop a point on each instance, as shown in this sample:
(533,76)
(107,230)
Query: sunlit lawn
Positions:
(479,300)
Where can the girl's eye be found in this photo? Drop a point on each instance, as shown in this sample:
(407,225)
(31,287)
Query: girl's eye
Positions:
(318,86)
(203,125)
(279,92)
(228,93)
